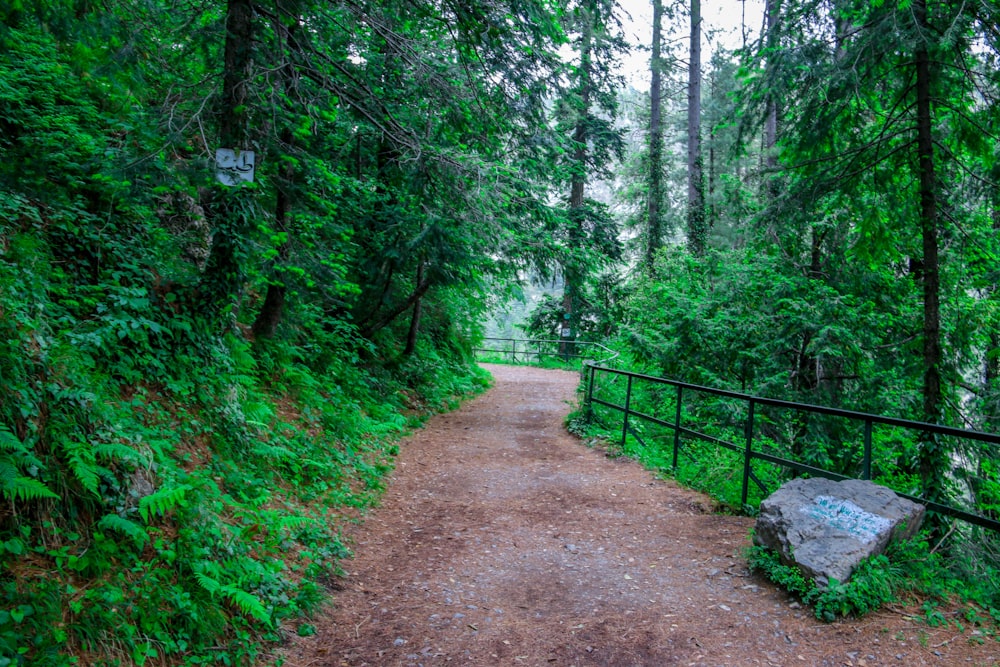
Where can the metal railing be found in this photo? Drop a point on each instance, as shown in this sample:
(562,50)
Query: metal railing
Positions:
(529,350)
(747,450)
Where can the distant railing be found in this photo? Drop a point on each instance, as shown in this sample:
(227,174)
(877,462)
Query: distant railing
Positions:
(747,449)
(533,350)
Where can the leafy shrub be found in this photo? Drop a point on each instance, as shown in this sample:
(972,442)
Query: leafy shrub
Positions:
(872,585)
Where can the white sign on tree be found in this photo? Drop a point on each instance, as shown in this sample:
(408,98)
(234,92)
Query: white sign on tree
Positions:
(233,167)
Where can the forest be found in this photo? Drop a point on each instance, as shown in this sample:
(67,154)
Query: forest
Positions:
(246,244)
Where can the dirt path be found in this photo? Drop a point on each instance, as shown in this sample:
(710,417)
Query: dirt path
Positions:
(502,540)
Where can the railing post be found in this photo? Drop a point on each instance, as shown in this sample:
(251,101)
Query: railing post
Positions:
(590,393)
(677,425)
(513,350)
(628,402)
(747,454)
(866,462)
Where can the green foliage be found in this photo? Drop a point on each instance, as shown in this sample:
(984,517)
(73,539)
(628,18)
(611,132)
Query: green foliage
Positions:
(13,485)
(909,571)
(175,483)
(872,585)
(130,529)
(162,501)
(761,559)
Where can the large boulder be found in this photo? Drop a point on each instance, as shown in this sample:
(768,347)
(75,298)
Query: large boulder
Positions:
(827,528)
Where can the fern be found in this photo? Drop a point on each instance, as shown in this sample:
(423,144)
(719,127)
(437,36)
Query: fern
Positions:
(122,525)
(8,441)
(162,501)
(258,413)
(82,464)
(247,603)
(13,485)
(291,523)
(208,583)
(208,573)
(25,488)
(276,452)
(116,451)
(8,472)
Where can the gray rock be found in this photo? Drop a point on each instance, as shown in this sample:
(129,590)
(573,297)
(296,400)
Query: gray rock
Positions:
(827,528)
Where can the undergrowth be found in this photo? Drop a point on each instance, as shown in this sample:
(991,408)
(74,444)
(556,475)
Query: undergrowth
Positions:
(205,517)
(174,495)
(909,573)
(873,584)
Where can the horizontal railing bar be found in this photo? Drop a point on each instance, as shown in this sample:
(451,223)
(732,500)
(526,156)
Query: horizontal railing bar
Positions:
(528,353)
(801,467)
(712,439)
(651,418)
(969,517)
(556,341)
(807,407)
(661,422)
(954,512)
(615,406)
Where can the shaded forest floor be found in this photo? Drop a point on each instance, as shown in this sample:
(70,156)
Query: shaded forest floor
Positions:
(502,540)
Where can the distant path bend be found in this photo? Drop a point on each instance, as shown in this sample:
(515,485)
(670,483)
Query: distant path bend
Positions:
(502,540)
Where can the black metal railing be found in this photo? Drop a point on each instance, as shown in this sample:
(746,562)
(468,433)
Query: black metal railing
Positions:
(532,350)
(747,449)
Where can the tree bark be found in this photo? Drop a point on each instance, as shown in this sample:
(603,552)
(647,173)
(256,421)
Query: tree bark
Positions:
(571,274)
(222,280)
(411,336)
(388,317)
(932,457)
(711,210)
(697,231)
(991,362)
(266,323)
(236,74)
(771,122)
(272,310)
(654,230)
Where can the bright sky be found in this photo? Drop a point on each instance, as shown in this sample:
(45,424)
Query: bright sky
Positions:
(722,27)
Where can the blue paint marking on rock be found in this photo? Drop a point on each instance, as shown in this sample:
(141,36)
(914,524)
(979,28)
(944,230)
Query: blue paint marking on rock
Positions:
(844,515)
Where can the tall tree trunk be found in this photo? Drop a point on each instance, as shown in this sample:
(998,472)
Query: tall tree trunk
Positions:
(266,323)
(770,152)
(223,276)
(654,231)
(697,231)
(991,364)
(236,74)
(571,273)
(390,316)
(990,403)
(712,211)
(933,457)
(411,335)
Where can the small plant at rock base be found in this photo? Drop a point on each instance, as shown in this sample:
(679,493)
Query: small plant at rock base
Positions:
(768,562)
(869,588)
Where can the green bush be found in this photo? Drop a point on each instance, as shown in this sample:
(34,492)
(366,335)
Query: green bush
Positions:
(872,585)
